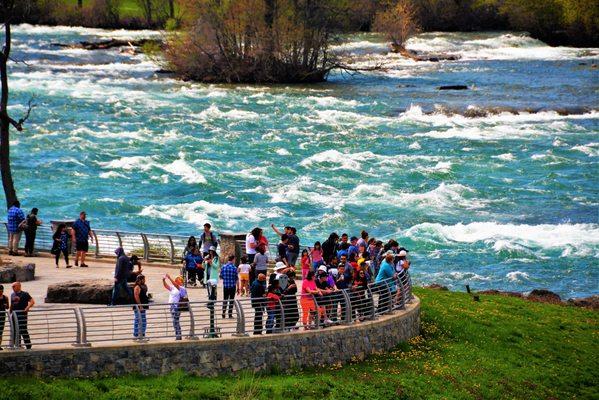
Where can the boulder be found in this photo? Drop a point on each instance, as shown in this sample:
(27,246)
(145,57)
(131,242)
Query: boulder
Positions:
(13,272)
(544,296)
(453,87)
(89,291)
(436,286)
(591,302)
(501,293)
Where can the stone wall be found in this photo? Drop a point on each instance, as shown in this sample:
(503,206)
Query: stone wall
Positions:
(220,356)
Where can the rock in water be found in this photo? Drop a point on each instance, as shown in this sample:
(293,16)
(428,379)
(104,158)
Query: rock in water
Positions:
(544,296)
(436,286)
(12,272)
(453,87)
(591,302)
(90,291)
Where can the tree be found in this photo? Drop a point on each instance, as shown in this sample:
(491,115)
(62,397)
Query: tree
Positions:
(399,22)
(147,7)
(266,41)
(7,8)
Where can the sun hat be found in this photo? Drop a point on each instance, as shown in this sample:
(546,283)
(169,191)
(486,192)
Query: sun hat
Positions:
(402,253)
(322,268)
(212,248)
(389,252)
(280,265)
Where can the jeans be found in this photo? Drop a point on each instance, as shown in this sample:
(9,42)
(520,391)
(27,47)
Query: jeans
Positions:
(13,241)
(270,321)
(29,242)
(23,332)
(116,292)
(139,323)
(292,258)
(228,294)
(65,253)
(176,314)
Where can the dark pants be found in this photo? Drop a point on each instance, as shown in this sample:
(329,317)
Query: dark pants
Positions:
(116,292)
(65,253)
(23,332)
(228,294)
(2,322)
(192,274)
(258,315)
(29,242)
(292,258)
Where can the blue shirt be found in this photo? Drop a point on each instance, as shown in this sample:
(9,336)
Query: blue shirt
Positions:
(386,271)
(228,274)
(192,260)
(82,229)
(15,217)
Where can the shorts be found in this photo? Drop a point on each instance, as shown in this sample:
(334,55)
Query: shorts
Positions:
(244,276)
(82,246)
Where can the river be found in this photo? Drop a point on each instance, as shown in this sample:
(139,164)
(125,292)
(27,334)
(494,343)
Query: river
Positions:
(495,199)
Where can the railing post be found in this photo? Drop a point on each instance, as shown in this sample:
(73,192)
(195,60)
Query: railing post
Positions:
(240,320)
(14,334)
(373,311)
(144,239)
(83,334)
(11,333)
(118,236)
(282,317)
(170,239)
(97,252)
(79,342)
(348,309)
(389,307)
(192,325)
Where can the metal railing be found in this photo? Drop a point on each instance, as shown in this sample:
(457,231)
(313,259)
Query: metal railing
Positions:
(149,246)
(82,326)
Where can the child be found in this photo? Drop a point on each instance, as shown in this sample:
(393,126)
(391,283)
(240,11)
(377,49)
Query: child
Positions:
(316,255)
(244,277)
(282,249)
(272,305)
(305,263)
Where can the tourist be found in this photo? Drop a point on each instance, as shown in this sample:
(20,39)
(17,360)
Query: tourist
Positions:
(4,305)
(20,304)
(286,230)
(134,262)
(353,264)
(325,301)
(211,265)
(342,282)
(244,277)
(353,247)
(363,240)
(252,241)
(229,275)
(60,244)
(81,233)
(273,298)
(316,255)
(289,301)
(260,261)
(329,247)
(211,272)
(207,239)
(177,299)
(344,239)
(30,231)
(121,274)
(282,249)
(343,250)
(191,244)
(293,247)
(305,262)
(193,267)
(258,293)
(375,250)
(401,267)
(358,295)
(140,295)
(309,290)
(15,219)
(386,277)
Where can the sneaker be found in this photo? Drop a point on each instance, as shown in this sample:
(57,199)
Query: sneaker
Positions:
(83,265)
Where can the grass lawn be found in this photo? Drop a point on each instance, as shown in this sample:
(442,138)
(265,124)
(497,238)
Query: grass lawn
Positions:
(498,348)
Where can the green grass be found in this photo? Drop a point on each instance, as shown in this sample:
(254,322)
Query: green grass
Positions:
(498,348)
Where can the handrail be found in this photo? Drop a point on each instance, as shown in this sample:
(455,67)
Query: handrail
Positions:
(82,326)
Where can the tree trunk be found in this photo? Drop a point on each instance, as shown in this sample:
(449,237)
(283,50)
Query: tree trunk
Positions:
(171,8)
(7,182)
(80,3)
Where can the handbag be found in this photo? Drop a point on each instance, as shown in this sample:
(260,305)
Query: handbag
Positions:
(183,304)
(55,248)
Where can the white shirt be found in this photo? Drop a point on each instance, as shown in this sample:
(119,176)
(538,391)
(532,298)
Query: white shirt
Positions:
(249,240)
(244,268)
(174,295)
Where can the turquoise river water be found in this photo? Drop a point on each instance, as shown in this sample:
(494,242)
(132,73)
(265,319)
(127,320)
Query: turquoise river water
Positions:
(479,194)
